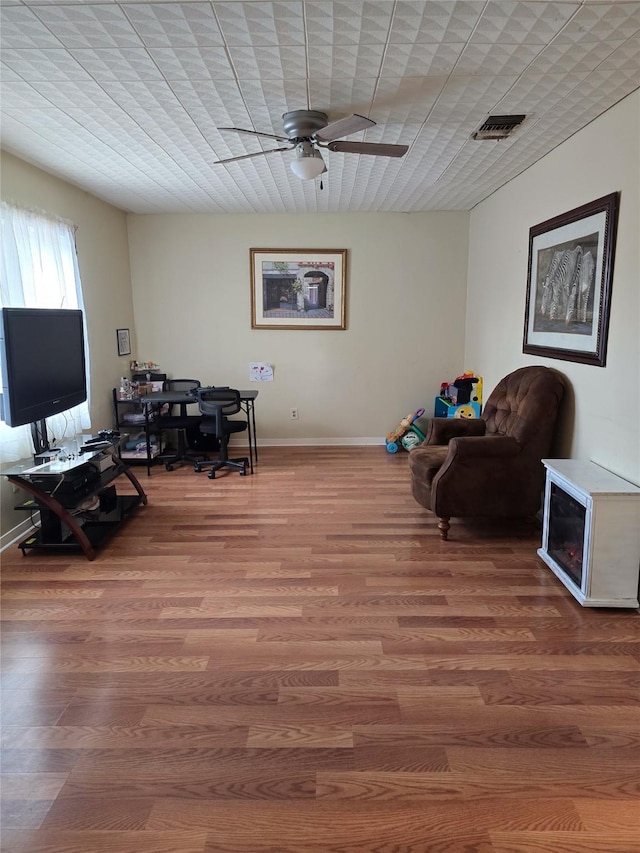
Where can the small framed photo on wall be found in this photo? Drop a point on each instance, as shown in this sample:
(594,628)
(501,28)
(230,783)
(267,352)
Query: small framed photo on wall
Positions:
(124,341)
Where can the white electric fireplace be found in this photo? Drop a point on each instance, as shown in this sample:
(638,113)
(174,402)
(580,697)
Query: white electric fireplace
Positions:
(591,532)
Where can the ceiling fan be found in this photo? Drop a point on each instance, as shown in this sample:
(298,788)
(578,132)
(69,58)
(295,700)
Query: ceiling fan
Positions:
(308,131)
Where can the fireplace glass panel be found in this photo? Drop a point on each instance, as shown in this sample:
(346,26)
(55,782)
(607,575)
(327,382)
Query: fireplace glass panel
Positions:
(566,532)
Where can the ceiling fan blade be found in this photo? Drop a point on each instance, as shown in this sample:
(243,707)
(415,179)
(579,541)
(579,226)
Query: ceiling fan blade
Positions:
(343,127)
(377,148)
(246,156)
(256,133)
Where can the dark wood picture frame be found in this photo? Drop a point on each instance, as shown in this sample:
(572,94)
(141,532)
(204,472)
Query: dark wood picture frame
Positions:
(569,279)
(124,341)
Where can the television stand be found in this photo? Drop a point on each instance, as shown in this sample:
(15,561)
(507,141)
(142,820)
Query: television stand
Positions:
(79,507)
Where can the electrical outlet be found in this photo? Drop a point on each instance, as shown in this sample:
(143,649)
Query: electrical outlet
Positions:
(294,414)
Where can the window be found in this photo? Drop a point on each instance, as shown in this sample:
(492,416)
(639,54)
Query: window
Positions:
(39,269)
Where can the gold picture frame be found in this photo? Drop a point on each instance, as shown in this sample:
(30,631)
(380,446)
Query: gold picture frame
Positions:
(298,288)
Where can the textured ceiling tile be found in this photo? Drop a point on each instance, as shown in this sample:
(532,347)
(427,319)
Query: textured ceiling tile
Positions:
(340,98)
(433,141)
(219,105)
(21,28)
(68,137)
(471,96)
(261,23)
(122,64)
(54,64)
(628,54)
(343,23)
(100,114)
(359,60)
(567,58)
(375,183)
(192,63)
(144,94)
(21,95)
(68,94)
(407,98)
(391,132)
(435,21)
(278,62)
(522,22)
(604,87)
(290,93)
(480,58)
(420,60)
(89,25)
(536,92)
(441,156)
(175,24)
(603,22)
(7,74)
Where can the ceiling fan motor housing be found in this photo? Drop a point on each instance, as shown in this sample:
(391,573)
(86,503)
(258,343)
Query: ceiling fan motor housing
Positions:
(302,124)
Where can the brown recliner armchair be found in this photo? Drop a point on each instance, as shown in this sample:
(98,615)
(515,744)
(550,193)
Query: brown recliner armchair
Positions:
(490,466)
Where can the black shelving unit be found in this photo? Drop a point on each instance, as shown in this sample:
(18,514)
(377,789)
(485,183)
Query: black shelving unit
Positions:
(145,422)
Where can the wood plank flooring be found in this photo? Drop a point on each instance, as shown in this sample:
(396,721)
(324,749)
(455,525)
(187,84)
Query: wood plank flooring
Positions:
(294,662)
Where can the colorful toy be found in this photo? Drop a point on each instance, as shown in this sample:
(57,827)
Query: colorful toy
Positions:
(398,437)
(465,411)
(411,439)
(460,399)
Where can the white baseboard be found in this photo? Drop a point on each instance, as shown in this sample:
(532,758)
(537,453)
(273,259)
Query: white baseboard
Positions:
(20,531)
(321,442)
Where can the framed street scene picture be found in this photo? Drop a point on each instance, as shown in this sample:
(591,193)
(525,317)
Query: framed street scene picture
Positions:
(298,288)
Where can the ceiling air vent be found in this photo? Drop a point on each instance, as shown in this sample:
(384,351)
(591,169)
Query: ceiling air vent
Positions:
(498,127)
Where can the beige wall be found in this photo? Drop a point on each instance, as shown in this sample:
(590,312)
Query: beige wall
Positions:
(406,300)
(602,419)
(103,258)
(406,295)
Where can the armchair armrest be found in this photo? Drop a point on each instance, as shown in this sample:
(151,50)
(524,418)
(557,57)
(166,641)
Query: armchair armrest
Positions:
(442,430)
(477,448)
(477,477)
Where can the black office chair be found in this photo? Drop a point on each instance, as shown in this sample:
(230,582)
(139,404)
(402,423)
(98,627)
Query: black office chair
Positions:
(182,423)
(149,376)
(216,405)
(182,385)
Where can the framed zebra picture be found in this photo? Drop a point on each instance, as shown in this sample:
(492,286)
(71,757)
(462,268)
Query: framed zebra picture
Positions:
(569,283)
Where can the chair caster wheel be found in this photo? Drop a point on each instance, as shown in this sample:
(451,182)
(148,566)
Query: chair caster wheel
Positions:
(197,468)
(211,475)
(168,467)
(243,473)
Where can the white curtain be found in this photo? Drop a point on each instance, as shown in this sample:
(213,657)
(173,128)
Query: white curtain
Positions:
(39,269)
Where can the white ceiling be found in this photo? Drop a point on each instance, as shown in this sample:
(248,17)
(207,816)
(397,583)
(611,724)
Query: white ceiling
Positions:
(126,99)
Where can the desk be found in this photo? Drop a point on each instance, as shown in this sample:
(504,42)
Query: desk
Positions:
(184,399)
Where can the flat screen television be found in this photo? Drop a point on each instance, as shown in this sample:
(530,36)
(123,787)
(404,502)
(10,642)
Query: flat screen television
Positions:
(43,363)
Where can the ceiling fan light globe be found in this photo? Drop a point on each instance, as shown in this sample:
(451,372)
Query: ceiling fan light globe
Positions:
(308,168)
(308,163)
